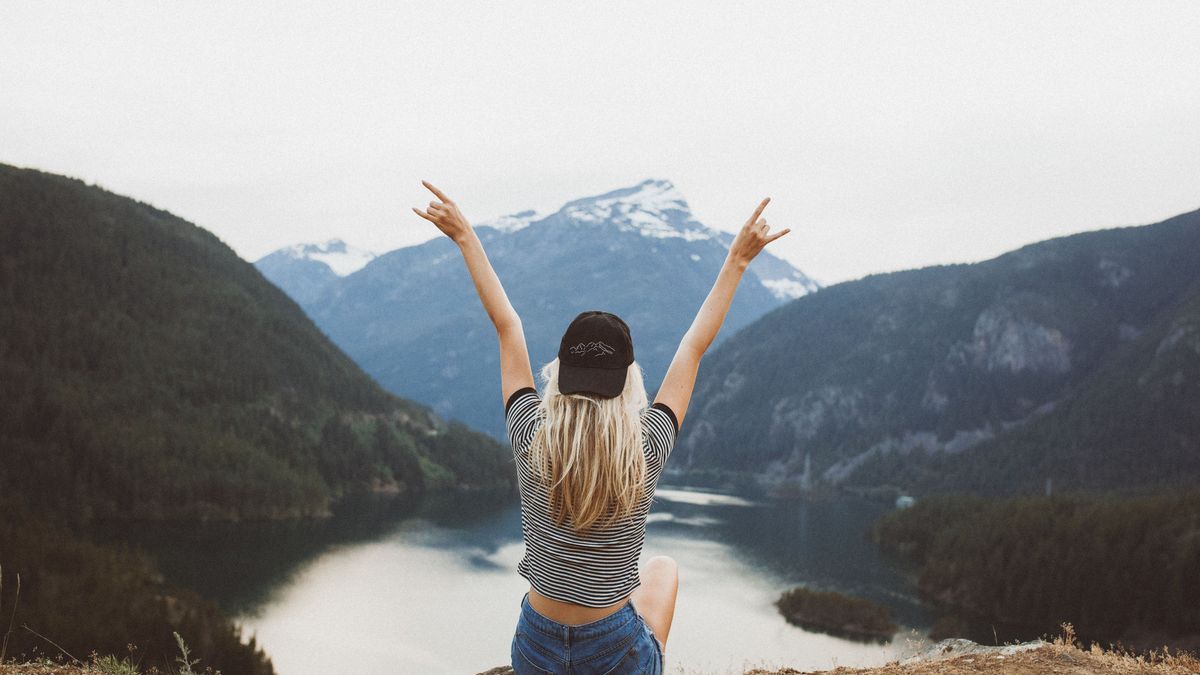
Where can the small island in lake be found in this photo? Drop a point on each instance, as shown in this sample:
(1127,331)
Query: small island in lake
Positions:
(836,614)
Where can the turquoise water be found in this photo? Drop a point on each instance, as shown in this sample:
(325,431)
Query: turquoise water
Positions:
(430,586)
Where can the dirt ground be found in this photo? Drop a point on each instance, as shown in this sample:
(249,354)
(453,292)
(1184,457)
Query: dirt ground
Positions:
(1028,659)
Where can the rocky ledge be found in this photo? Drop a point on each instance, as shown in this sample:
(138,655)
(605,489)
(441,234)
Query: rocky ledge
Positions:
(959,657)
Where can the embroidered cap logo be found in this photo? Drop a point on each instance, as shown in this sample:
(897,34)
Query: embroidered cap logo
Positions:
(592,349)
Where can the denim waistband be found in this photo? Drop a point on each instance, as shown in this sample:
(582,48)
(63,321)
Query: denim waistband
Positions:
(571,634)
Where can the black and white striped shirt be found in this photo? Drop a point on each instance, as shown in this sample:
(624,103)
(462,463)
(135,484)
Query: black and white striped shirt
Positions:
(600,568)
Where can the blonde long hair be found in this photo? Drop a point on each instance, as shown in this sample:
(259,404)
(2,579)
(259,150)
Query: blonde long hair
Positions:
(588,451)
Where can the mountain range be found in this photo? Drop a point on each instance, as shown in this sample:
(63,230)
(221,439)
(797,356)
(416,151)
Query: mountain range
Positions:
(1069,364)
(410,317)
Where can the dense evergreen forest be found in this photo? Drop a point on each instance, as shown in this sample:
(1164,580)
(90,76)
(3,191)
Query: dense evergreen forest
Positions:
(1118,569)
(149,373)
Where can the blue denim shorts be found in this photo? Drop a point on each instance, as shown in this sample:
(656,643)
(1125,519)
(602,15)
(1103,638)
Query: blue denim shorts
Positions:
(620,643)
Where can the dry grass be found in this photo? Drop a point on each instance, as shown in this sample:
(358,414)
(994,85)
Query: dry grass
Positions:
(47,669)
(101,665)
(1064,656)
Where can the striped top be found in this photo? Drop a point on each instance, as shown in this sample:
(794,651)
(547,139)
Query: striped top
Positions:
(600,568)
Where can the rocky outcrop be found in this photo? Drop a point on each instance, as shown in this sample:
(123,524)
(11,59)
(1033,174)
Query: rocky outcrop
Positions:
(960,657)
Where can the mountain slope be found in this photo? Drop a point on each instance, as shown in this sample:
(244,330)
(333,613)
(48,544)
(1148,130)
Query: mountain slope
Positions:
(411,317)
(150,372)
(1135,420)
(906,378)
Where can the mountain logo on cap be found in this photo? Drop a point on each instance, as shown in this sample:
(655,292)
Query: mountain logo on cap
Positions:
(593,349)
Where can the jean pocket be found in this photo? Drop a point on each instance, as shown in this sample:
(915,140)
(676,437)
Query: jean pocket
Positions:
(641,657)
(525,664)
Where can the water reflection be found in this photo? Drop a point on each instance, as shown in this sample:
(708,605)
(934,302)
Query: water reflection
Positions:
(393,585)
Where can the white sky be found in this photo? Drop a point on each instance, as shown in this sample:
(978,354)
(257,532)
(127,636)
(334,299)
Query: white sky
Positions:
(889,135)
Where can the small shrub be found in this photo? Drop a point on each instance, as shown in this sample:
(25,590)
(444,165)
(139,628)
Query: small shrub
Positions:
(111,665)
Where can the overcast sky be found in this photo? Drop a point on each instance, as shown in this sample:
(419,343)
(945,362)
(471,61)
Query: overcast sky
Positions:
(888,135)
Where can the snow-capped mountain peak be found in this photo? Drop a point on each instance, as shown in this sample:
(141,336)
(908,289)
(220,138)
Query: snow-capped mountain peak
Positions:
(342,258)
(513,221)
(654,208)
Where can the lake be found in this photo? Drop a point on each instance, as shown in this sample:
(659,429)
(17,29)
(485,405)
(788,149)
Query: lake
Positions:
(429,585)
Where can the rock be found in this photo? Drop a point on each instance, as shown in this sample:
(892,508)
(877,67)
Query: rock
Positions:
(956,647)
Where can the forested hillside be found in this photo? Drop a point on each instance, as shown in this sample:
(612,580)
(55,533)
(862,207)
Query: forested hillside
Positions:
(1074,361)
(1132,423)
(149,372)
(1118,570)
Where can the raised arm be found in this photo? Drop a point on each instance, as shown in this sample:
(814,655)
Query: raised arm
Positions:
(515,372)
(676,390)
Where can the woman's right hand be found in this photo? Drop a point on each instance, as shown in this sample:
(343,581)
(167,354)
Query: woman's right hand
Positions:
(676,390)
(753,237)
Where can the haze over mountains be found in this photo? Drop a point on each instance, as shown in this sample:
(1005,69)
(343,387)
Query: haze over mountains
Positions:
(411,318)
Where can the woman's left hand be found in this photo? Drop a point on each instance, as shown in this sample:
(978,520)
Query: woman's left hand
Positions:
(445,215)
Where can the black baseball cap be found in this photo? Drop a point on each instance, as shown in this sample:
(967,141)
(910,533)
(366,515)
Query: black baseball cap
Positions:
(594,355)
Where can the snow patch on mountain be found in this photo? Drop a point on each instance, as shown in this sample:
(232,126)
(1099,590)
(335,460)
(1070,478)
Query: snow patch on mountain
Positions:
(789,289)
(653,208)
(656,209)
(513,221)
(342,258)
(783,280)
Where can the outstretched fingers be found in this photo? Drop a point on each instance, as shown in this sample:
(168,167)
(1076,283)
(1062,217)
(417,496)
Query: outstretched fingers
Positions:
(758,211)
(778,234)
(757,221)
(440,195)
(435,209)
